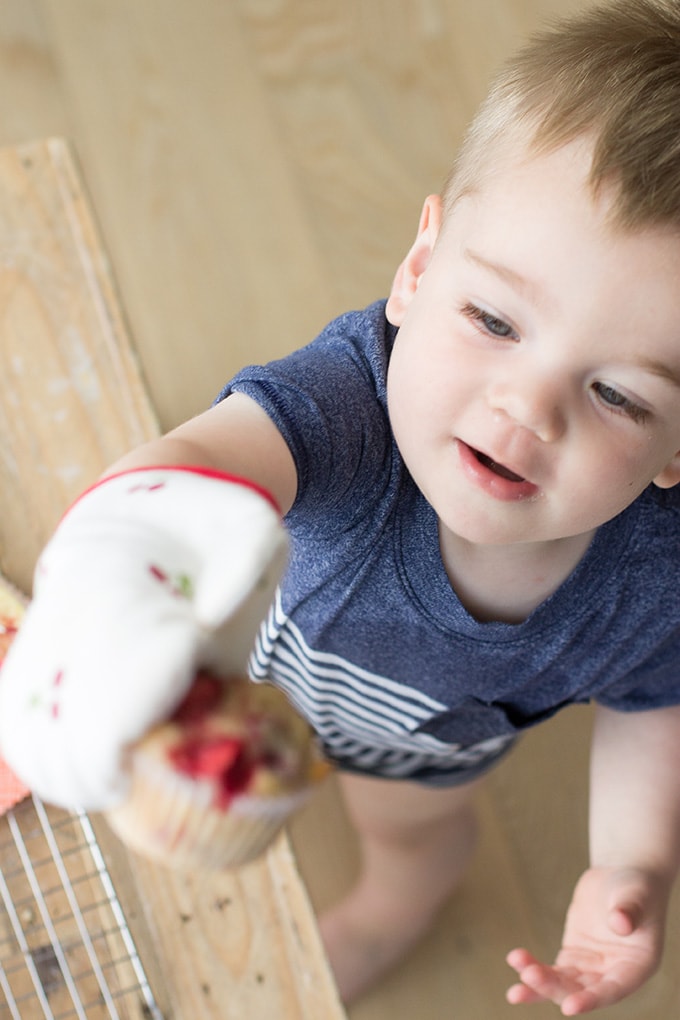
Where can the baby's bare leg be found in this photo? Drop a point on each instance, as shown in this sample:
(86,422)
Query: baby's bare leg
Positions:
(415,844)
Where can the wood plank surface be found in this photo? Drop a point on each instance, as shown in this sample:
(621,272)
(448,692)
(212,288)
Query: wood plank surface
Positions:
(71,397)
(71,400)
(257,280)
(258,166)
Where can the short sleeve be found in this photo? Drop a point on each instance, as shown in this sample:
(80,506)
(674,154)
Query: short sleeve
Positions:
(654,683)
(328,401)
(649,610)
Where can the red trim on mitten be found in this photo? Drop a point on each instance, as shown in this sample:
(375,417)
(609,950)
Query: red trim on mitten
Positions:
(206,472)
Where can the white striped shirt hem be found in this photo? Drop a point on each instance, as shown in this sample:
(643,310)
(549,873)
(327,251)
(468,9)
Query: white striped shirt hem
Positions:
(361,718)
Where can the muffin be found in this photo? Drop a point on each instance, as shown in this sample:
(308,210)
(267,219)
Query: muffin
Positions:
(212,786)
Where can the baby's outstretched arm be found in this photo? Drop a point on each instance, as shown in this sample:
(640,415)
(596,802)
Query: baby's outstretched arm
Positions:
(163,569)
(235,436)
(614,932)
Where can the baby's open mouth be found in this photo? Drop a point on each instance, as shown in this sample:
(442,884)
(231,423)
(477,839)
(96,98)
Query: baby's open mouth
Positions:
(498,469)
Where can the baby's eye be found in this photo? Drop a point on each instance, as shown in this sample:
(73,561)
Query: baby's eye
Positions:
(618,402)
(489,323)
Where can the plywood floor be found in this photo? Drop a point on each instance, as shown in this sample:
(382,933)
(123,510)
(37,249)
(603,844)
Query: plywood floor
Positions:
(257,167)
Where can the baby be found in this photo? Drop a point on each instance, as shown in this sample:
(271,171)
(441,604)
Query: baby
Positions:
(477,479)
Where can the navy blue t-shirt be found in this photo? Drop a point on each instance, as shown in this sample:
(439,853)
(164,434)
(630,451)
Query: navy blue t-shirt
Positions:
(368,637)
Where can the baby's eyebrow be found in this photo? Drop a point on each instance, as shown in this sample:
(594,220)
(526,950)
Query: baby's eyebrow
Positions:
(659,368)
(520,283)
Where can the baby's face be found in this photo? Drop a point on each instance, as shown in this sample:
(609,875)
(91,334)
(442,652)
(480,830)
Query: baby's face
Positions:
(534,389)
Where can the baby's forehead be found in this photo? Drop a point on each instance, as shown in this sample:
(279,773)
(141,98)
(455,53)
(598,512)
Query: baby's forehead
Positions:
(537,216)
(521,145)
(640,196)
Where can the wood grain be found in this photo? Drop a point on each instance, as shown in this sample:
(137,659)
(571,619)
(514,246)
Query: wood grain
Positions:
(257,280)
(238,944)
(71,397)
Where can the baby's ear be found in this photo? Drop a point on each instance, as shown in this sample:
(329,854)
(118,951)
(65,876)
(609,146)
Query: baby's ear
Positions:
(670,475)
(414,265)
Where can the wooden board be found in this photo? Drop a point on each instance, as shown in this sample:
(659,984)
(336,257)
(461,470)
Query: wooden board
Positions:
(72,400)
(71,396)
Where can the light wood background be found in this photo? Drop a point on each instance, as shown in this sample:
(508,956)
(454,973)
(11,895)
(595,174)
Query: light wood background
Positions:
(257,167)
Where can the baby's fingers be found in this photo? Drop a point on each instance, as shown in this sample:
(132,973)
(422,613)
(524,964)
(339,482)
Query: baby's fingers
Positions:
(540,982)
(576,992)
(518,959)
(548,982)
(539,977)
(521,995)
(536,983)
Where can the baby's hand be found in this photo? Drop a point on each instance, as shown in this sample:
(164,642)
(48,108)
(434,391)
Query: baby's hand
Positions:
(612,943)
(151,576)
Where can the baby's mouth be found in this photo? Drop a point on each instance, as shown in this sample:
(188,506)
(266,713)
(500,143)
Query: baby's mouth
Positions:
(498,469)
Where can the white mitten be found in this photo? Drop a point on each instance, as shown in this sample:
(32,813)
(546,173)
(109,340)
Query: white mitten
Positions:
(150,576)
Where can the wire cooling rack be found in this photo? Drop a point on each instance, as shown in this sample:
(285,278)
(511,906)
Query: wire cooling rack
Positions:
(65,948)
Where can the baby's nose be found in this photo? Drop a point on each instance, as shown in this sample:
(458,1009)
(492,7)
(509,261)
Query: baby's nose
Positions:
(535,404)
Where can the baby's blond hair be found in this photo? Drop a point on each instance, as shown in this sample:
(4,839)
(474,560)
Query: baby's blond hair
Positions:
(610,74)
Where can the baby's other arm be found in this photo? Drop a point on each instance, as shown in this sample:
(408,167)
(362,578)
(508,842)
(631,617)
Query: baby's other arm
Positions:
(614,933)
(635,791)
